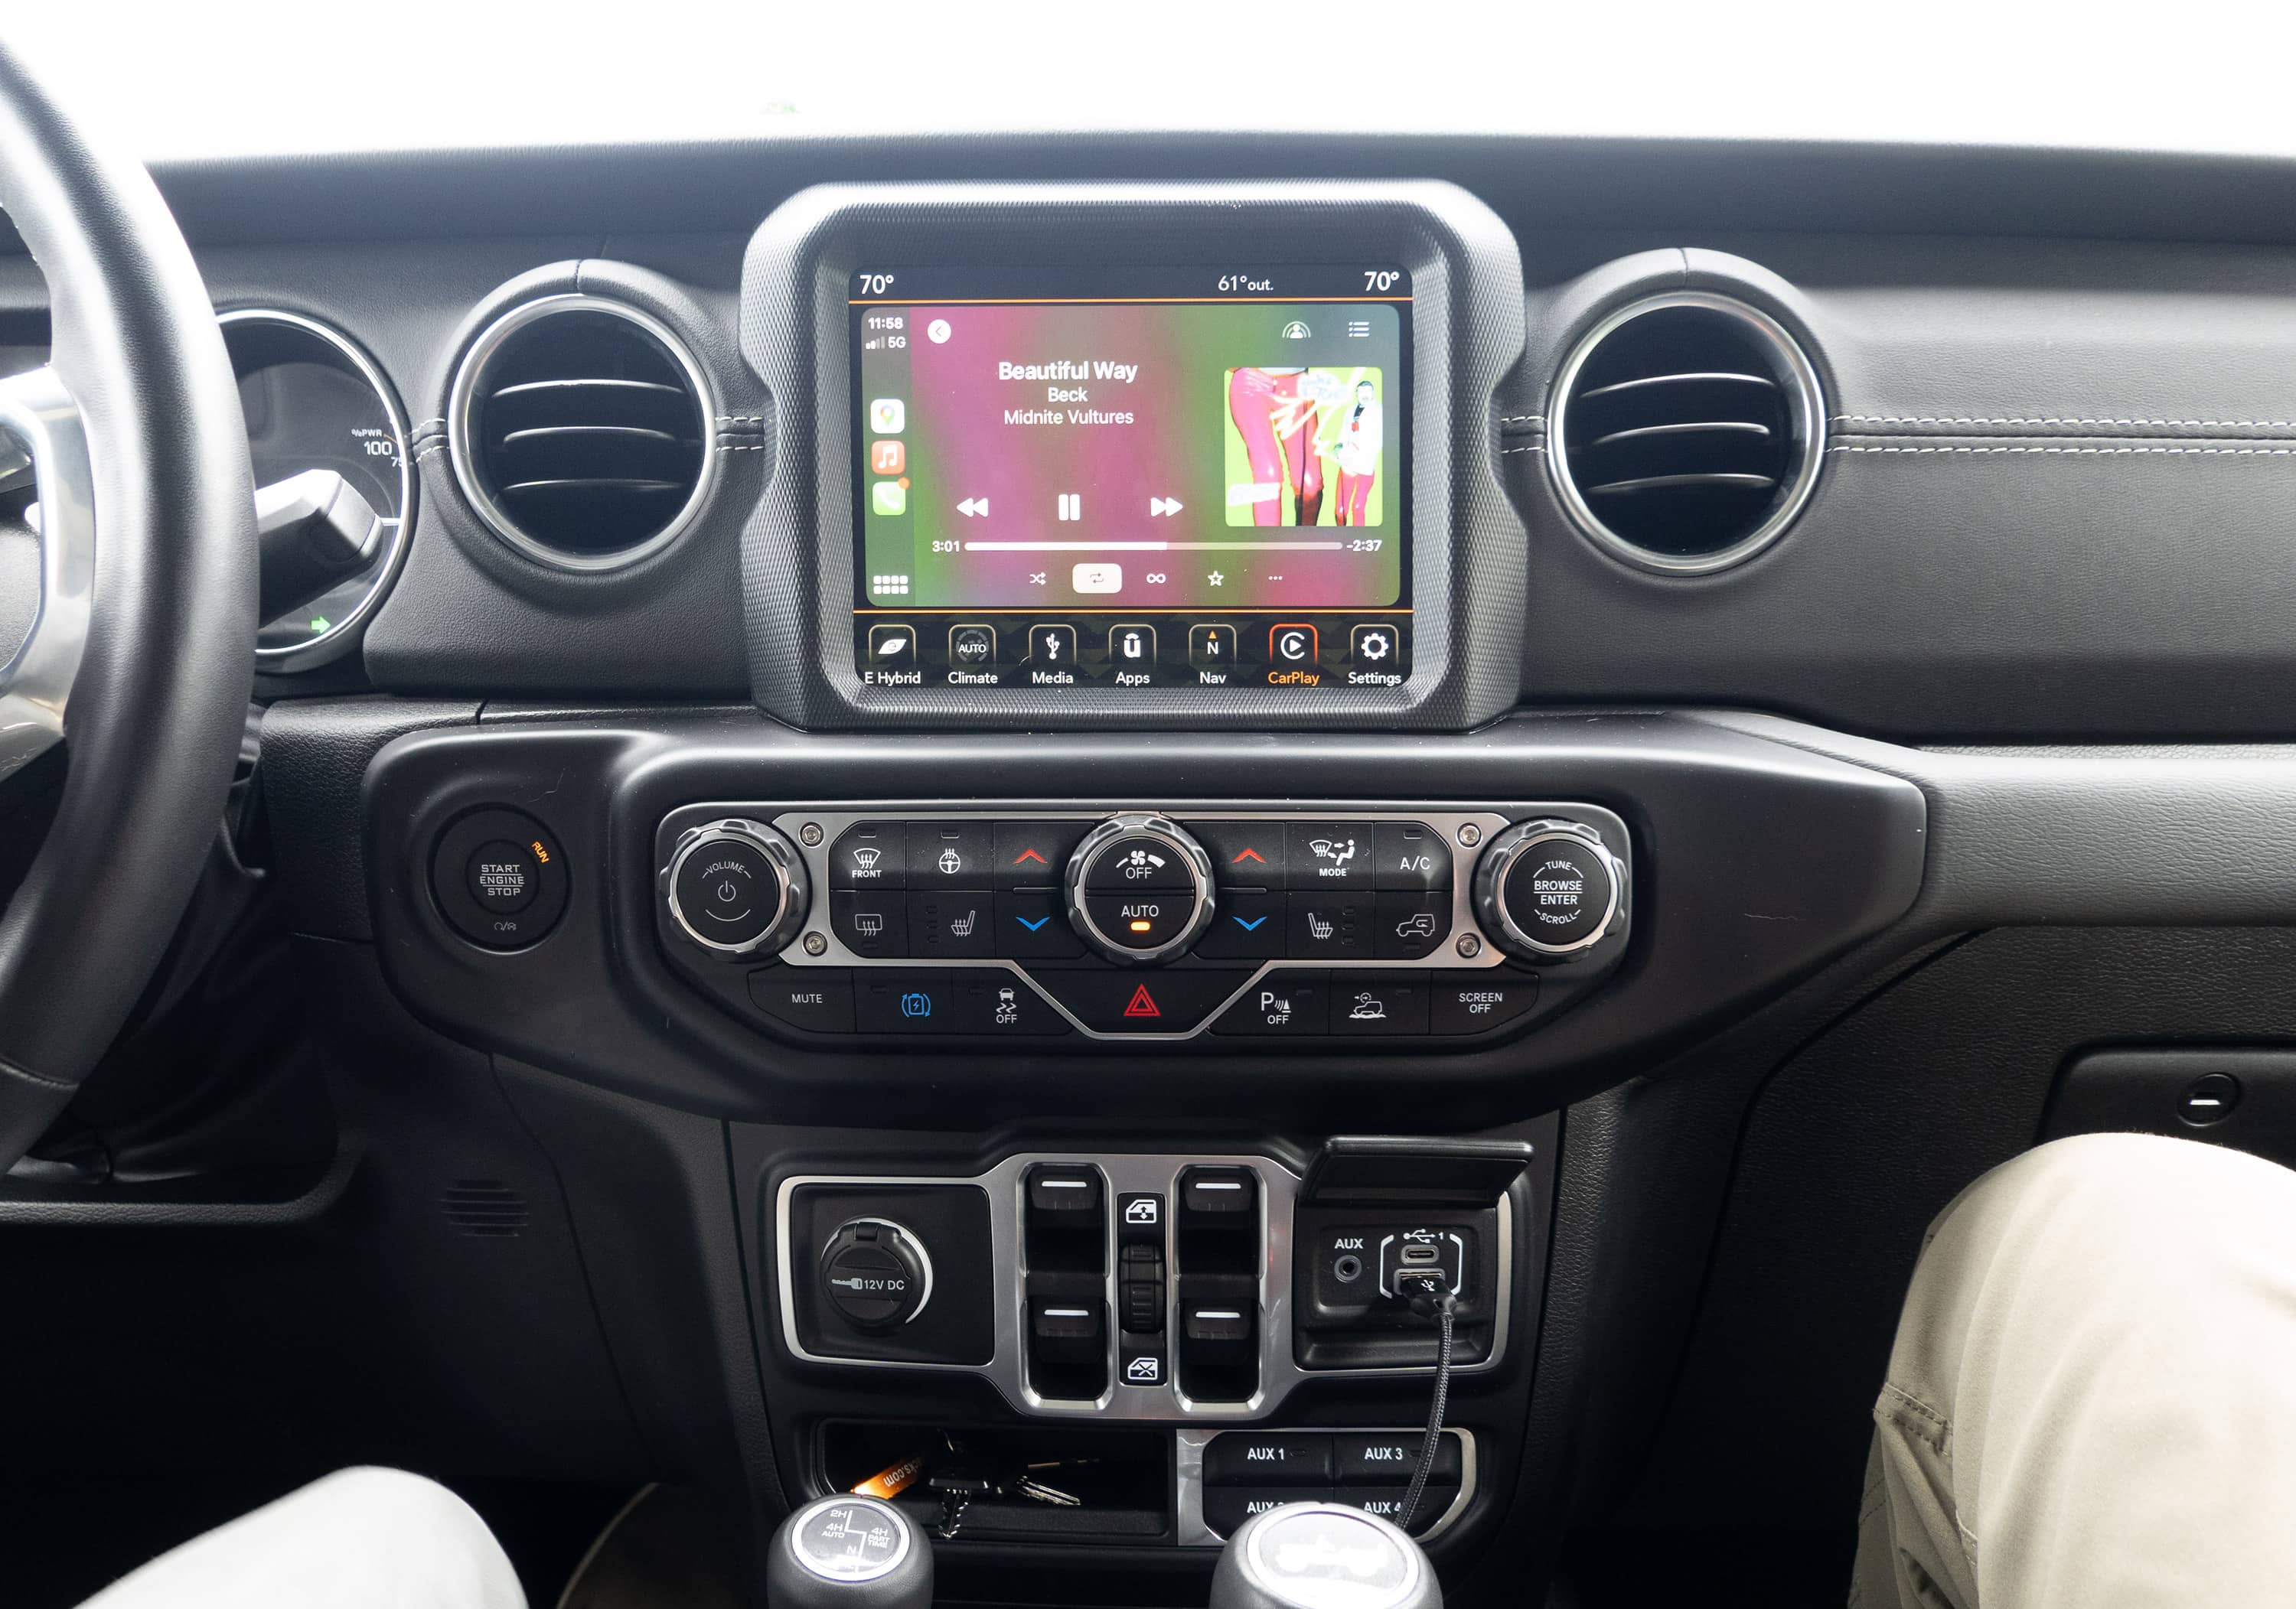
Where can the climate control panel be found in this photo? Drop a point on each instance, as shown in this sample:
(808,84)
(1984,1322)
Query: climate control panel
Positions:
(1324,924)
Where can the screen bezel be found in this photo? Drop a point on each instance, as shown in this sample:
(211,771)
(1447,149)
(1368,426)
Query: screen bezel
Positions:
(1468,548)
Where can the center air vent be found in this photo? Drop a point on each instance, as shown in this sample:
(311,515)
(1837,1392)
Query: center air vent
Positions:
(1685,432)
(580,431)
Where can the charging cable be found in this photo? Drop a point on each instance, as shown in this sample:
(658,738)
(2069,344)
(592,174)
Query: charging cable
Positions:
(1436,1301)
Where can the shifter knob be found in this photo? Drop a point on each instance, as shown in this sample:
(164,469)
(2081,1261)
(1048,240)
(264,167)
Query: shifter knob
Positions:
(848,1552)
(1314,1556)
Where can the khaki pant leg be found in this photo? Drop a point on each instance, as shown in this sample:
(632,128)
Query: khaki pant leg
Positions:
(2092,1399)
(363,1538)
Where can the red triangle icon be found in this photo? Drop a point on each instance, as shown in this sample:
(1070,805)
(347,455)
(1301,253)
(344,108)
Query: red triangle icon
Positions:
(1143,1004)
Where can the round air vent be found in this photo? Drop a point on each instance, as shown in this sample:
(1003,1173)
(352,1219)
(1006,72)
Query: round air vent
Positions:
(1686,432)
(581,432)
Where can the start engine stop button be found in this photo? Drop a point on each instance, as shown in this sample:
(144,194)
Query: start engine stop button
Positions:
(504,877)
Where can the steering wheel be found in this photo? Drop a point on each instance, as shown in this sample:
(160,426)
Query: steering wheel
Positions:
(139,652)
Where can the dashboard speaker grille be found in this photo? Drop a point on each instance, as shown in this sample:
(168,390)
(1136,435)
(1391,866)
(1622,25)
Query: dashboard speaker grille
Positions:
(484,1207)
(581,432)
(1685,431)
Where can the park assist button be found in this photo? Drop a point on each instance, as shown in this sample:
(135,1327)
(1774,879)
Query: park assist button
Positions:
(1282,1003)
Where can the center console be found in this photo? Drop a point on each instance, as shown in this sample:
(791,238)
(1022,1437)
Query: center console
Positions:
(1130,961)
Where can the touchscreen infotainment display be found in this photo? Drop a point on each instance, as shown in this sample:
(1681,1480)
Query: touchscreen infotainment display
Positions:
(1152,476)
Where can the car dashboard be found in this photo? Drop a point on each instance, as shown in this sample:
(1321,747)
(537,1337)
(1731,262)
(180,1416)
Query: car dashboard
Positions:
(968,793)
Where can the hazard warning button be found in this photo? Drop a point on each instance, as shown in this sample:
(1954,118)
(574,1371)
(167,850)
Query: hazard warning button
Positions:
(1119,1002)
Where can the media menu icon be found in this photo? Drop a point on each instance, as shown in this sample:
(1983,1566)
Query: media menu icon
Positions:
(1053,647)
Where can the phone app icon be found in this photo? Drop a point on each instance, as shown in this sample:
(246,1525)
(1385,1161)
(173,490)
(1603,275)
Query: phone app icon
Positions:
(889,457)
(888,497)
(888,415)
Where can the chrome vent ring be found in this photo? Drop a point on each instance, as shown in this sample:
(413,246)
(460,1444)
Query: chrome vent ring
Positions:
(1686,432)
(580,430)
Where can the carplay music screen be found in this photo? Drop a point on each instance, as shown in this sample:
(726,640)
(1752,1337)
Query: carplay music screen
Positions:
(1131,478)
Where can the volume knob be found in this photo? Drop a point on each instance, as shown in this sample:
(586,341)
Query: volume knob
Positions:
(737,887)
(1139,890)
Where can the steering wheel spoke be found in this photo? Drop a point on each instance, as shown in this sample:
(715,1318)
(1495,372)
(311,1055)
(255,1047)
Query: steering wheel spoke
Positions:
(42,438)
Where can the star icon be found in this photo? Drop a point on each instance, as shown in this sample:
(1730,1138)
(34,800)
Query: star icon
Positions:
(1216,578)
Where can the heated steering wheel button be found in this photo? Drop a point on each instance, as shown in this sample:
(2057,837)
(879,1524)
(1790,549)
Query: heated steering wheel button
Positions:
(504,877)
(1141,920)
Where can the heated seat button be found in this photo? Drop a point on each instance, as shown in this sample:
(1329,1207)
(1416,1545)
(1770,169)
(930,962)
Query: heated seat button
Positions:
(1363,1457)
(814,999)
(869,854)
(1247,1458)
(503,877)
(1143,920)
(1477,1002)
(1331,925)
(951,924)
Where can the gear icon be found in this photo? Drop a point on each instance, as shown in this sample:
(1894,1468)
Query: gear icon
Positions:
(1374,646)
